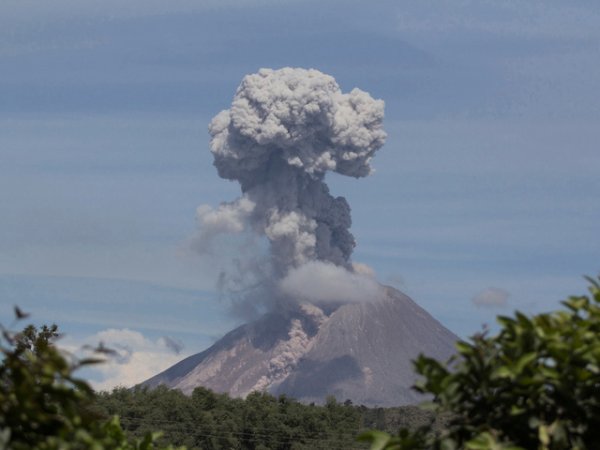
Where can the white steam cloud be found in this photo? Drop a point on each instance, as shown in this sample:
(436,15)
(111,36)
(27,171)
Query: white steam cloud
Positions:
(135,359)
(319,282)
(285,129)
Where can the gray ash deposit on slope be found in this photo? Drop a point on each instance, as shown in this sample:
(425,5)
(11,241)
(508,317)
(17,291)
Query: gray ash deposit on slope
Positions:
(359,351)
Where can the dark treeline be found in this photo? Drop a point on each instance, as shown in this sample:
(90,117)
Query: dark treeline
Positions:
(206,420)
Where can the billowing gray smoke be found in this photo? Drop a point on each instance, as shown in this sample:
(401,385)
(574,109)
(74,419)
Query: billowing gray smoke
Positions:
(331,328)
(285,129)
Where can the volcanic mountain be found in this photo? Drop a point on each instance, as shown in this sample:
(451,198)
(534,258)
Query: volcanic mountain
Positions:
(357,351)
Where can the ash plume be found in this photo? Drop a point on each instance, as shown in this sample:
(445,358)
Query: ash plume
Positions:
(284,131)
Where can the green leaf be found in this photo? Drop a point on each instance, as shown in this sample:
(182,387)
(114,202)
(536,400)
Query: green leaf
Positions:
(524,361)
(503,372)
(463,347)
(378,439)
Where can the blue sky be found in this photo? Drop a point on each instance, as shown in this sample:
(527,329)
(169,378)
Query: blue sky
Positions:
(489,178)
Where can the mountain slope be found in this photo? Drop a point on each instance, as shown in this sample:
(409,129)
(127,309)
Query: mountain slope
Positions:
(360,351)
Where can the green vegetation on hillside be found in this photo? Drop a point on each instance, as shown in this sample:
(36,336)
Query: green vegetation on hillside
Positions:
(208,420)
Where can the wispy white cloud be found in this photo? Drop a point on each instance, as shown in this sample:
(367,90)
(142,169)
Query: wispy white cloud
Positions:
(491,298)
(135,359)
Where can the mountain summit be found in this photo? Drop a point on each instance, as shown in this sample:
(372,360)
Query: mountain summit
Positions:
(358,351)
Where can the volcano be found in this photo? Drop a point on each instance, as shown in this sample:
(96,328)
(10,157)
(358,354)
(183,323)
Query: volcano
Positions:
(361,352)
(332,329)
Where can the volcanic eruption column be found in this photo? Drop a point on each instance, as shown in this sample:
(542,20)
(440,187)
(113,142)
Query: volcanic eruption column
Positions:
(285,129)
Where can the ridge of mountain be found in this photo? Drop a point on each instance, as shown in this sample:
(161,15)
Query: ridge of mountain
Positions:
(360,351)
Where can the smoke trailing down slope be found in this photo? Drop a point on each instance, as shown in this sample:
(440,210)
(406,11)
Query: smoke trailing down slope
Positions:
(285,129)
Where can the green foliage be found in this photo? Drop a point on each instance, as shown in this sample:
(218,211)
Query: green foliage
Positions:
(411,417)
(44,406)
(207,420)
(535,385)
